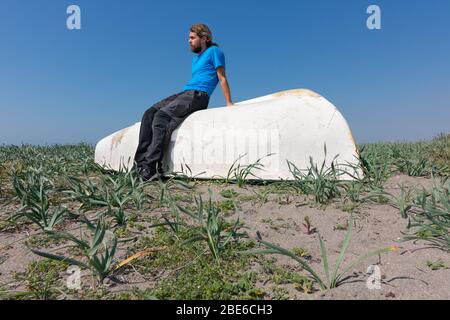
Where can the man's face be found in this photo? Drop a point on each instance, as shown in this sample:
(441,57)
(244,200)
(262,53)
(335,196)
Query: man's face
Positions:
(195,42)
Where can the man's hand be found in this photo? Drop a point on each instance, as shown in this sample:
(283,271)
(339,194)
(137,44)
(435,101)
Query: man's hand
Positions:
(224,84)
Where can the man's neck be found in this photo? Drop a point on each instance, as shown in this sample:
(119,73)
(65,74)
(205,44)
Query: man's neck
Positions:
(203,50)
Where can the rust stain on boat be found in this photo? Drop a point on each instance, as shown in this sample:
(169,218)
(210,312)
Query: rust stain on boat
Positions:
(117,138)
(297,92)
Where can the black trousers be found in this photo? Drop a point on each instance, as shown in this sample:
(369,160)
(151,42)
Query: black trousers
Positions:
(159,122)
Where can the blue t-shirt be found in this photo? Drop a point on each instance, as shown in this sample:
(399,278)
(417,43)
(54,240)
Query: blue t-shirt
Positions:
(204,74)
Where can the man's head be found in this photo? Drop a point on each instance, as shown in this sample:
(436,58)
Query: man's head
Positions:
(200,37)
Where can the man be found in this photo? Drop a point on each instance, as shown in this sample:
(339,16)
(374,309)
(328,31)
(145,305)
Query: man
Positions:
(159,121)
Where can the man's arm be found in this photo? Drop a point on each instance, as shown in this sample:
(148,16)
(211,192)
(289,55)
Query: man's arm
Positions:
(224,84)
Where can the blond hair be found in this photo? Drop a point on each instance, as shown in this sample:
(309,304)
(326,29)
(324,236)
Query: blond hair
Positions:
(202,30)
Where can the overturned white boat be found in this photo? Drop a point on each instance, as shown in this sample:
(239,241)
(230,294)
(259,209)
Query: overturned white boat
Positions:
(288,126)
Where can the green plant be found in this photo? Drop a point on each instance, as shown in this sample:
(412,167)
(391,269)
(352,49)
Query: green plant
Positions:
(353,190)
(262,195)
(340,226)
(32,191)
(86,192)
(118,214)
(323,183)
(302,253)
(348,206)
(229,176)
(309,229)
(113,190)
(116,209)
(186,175)
(137,195)
(439,153)
(414,167)
(175,209)
(211,228)
(333,279)
(240,173)
(436,265)
(404,202)
(433,222)
(226,205)
(376,165)
(410,158)
(99,252)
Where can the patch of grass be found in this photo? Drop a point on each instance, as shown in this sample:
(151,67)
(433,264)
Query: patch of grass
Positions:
(341,226)
(439,154)
(411,158)
(247,197)
(228,193)
(353,191)
(7,225)
(378,195)
(279,275)
(189,273)
(270,223)
(122,232)
(375,162)
(274,224)
(432,222)
(280,293)
(138,226)
(226,205)
(181,197)
(150,265)
(42,280)
(43,241)
(349,206)
(436,265)
(302,253)
(206,279)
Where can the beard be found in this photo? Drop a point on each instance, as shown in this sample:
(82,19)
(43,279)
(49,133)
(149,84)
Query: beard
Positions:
(196,49)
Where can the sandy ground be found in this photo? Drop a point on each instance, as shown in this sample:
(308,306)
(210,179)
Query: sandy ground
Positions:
(404,273)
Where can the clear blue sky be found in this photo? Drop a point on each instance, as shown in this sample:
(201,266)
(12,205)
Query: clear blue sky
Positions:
(63,86)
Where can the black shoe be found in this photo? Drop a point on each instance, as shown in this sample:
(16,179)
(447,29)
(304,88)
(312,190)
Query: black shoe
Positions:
(148,174)
(160,169)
